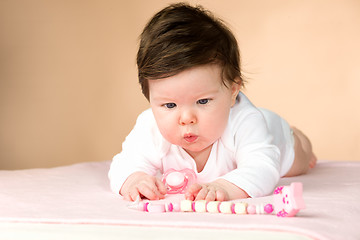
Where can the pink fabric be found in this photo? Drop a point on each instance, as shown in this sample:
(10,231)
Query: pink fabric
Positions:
(80,194)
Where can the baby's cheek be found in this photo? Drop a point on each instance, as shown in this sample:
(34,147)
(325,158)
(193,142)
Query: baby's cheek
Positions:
(169,134)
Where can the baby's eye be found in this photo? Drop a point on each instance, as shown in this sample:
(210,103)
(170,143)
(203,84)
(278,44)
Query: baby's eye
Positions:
(203,101)
(170,105)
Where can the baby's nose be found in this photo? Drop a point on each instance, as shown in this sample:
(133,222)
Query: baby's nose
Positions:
(187,117)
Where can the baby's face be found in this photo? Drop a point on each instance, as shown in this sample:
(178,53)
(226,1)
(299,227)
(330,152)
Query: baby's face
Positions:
(192,108)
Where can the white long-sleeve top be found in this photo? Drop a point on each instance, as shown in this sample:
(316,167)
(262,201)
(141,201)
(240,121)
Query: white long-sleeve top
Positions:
(255,150)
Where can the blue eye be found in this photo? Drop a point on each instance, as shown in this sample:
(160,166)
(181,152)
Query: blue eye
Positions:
(170,105)
(203,101)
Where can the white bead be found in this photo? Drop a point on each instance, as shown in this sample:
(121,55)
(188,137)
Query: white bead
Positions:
(240,208)
(200,206)
(212,207)
(260,208)
(225,207)
(186,206)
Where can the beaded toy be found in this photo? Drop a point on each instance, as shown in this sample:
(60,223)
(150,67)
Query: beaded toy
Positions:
(287,200)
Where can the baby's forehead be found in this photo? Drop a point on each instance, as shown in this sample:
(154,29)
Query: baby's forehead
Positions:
(199,80)
(220,73)
(213,69)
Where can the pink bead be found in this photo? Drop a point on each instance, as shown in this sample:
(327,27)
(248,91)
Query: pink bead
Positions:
(251,209)
(176,207)
(145,207)
(156,208)
(233,208)
(141,206)
(268,208)
(169,207)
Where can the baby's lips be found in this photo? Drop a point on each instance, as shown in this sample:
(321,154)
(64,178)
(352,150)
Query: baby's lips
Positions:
(190,138)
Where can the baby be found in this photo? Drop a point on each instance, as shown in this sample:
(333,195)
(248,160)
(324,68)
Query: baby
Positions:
(189,70)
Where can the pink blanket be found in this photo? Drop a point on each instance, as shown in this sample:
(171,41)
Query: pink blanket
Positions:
(80,193)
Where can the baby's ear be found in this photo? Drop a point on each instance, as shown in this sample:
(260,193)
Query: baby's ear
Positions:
(235,88)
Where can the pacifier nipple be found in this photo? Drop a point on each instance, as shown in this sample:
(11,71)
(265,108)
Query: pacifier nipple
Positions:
(175,179)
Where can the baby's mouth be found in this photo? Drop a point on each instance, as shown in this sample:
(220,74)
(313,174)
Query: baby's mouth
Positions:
(190,138)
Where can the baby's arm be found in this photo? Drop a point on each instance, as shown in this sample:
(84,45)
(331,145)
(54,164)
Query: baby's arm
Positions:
(132,171)
(219,190)
(143,185)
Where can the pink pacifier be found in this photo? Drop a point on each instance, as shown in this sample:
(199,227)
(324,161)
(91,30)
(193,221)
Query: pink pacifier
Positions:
(178,181)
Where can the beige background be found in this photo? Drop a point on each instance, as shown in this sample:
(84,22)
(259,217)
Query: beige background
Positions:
(68,79)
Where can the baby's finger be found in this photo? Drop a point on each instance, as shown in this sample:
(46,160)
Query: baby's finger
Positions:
(192,191)
(190,196)
(127,197)
(151,192)
(134,194)
(210,196)
(220,196)
(161,186)
(202,194)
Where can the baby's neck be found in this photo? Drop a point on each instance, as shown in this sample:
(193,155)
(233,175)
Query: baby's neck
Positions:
(201,157)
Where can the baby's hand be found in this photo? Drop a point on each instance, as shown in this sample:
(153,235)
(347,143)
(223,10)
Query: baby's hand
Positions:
(209,192)
(143,185)
(219,190)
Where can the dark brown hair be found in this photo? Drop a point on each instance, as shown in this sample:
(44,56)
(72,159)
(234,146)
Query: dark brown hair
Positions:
(180,37)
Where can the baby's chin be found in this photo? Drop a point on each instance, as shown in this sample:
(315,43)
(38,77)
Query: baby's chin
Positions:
(195,150)
(197,146)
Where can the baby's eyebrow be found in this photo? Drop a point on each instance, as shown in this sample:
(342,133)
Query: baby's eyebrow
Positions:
(162,99)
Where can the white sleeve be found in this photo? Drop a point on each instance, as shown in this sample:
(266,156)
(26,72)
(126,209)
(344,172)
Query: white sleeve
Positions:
(257,158)
(139,152)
